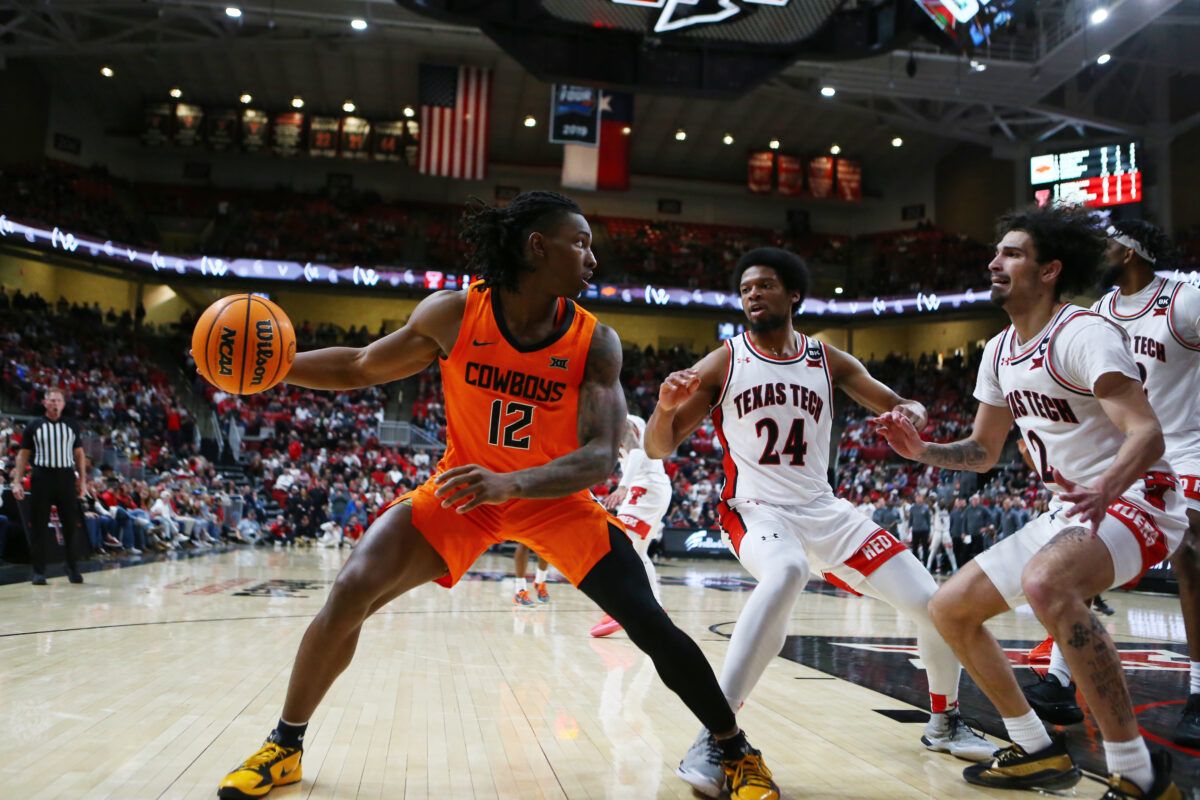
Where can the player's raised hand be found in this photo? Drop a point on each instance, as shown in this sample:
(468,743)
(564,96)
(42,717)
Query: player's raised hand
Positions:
(1090,503)
(901,435)
(677,388)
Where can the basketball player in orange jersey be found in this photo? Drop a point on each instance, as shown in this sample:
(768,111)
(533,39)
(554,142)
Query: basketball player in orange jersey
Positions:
(535,411)
(770,393)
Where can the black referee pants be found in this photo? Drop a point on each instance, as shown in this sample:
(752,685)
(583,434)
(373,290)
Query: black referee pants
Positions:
(53,487)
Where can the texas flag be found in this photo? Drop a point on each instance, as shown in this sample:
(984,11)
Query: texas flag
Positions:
(605,166)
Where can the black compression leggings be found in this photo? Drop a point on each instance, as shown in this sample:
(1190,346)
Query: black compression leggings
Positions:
(618,584)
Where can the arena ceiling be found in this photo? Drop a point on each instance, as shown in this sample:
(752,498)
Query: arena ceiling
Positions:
(1039,84)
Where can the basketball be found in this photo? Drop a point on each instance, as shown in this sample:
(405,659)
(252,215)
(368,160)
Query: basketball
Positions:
(243,344)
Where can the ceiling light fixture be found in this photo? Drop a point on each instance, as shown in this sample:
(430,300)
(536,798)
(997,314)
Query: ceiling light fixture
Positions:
(828,91)
(176,92)
(835,149)
(773,144)
(409,113)
(1103,59)
(530,121)
(727,138)
(897,142)
(297,102)
(358,24)
(107,71)
(680,135)
(349,107)
(246,98)
(233,12)
(1099,15)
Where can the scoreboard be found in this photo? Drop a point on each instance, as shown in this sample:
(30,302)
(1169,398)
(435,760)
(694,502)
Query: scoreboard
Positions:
(1097,177)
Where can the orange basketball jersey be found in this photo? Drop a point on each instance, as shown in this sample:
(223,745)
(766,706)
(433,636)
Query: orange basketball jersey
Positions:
(508,406)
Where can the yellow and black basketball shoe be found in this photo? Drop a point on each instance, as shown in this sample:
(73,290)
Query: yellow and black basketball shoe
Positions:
(1163,789)
(273,765)
(747,777)
(1049,769)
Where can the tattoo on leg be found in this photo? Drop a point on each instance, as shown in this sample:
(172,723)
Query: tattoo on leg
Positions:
(1079,636)
(1069,536)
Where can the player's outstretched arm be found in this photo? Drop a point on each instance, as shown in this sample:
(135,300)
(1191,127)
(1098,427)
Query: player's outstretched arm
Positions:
(684,400)
(431,329)
(851,377)
(979,452)
(601,423)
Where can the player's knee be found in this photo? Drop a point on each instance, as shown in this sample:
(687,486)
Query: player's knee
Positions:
(350,597)
(1045,591)
(950,612)
(788,574)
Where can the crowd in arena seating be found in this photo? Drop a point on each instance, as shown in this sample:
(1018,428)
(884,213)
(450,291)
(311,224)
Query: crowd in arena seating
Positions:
(313,470)
(348,227)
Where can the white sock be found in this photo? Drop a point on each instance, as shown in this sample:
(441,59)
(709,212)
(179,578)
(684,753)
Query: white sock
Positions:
(1132,760)
(1058,666)
(540,576)
(1028,731)
(1195,687)
(519,585)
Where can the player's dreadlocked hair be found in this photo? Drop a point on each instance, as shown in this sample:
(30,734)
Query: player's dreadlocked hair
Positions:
(1070,234)
(1156,243)
(497,236)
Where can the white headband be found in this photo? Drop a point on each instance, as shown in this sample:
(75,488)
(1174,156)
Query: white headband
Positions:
(1130,242)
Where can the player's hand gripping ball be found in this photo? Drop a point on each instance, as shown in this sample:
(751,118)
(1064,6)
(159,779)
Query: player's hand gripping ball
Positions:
(243,344)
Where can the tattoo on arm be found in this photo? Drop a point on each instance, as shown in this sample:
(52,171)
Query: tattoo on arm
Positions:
(967,454)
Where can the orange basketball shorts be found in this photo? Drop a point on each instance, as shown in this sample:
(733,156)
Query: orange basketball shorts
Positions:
(570,532)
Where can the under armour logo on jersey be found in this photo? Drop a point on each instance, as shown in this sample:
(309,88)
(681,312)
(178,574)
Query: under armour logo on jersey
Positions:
(1036,363)
(558,363)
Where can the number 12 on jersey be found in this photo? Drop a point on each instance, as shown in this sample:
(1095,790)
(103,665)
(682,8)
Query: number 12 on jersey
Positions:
(514,431)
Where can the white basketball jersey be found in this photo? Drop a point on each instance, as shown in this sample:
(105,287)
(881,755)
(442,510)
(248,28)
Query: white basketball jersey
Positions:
(649,473)
(1161,321)
(773,420)
(1047,385)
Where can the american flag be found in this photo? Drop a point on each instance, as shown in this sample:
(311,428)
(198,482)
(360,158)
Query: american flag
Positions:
(455,103)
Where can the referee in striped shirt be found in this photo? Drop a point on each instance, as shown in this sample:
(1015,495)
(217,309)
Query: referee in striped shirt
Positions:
(59,479)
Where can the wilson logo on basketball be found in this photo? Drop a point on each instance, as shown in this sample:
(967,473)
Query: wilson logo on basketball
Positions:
(225,351)
(263,350)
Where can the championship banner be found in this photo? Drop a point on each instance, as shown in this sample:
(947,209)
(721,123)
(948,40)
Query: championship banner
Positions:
(791,176)
(574,115)
(254,130)
(159,120)
(222,129)
(820,176)
(188,122)
(849,180)
(323,137)
(287,133)
(356,136)
(761,172)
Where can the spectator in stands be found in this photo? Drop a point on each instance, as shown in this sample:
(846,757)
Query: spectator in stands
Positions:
(920,525)
(1013,517)
(886,515)
(978,528)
